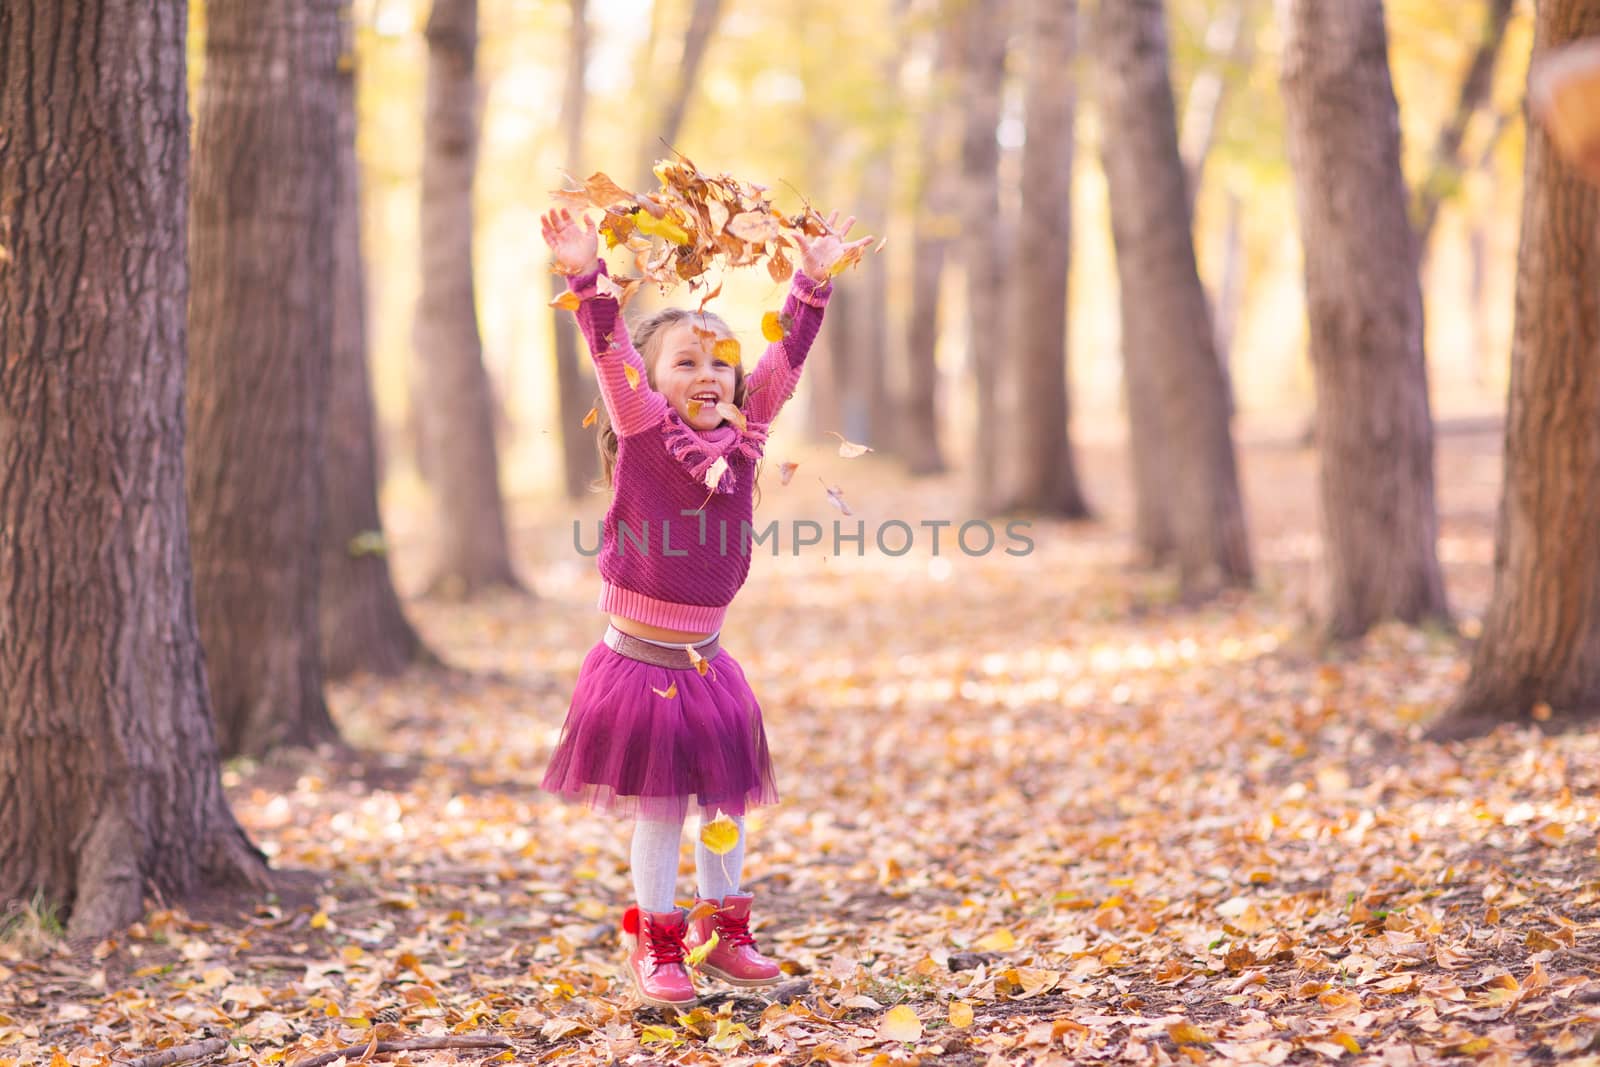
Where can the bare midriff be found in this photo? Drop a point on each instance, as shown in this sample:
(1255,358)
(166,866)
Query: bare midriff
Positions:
(656,633)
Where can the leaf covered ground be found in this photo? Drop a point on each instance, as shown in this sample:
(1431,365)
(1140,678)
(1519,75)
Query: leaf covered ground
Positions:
(1034,811)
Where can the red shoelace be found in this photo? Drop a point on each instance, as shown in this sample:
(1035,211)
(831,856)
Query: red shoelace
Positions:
(734,932)
(666,944)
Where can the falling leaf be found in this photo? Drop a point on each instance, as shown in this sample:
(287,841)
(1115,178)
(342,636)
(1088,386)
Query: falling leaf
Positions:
(591,418)
(960,1014)
(703,909)
(849,449)
(727,351)
(666,227)
(836,497)
(698,660)
(756,227)
(900,1024)
(694,407)
(779,267)
(669,692)
(712,295)
(567,301)
(632,375)
(715,472)
(772,328)
(733,415)
(698,954)
(603,192)
(786,471)
(720,835)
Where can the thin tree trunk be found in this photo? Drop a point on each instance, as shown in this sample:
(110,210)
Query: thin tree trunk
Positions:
(261,325)
(1047,474)
(1230,290)
(935,228)
(363,626)
(580,462)
(1228,46)
(458,413)
(109,776)
(867,414)
(1168,339)
(1541,635)
(1446,165)
(1373,426)
(983,37)
(661,137)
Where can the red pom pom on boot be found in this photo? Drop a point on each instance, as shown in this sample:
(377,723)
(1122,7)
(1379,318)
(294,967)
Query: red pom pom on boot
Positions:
(735,959)
(654,941)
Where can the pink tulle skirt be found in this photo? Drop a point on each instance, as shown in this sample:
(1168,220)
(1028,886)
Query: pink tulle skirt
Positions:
(628,749)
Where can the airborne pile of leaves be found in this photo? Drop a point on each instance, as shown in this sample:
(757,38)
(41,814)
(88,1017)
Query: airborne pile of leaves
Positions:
(1034,812)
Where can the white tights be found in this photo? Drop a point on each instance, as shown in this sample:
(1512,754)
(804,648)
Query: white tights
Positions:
(655,864)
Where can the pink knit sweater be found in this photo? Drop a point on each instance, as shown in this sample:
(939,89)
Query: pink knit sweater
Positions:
(674,551)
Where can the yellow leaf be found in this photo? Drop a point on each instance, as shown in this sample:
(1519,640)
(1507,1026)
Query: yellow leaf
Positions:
(666,226)
(729,1036)
(591,418)
(715,472)
(702,910)
(772,326)
(849,449)
(960,1014)
(319,920)
(1000,940)
(733,415)
(720,835)
(900,1024)
(698,954)
(698,660)
(632,376)
(567,301)
(351,953)
(694,409)
(669,692)
(658,1035)
(1350,1044)
(727,351)
(1188,1034)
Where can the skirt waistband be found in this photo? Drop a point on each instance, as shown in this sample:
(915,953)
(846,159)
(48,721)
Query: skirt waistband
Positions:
(675,658)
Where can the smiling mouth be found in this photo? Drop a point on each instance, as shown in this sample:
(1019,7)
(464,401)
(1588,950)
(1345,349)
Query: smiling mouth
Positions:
(706,398)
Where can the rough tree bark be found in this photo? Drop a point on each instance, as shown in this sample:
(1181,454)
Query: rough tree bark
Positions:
(580,461)
(985,24)
(457,415)
(363,626)
(1374,430)
(261,331)
(1167,339)
(1046,470)
(108,773)
(1541,635)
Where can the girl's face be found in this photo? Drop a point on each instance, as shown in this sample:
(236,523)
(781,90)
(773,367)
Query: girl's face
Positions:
(686,371)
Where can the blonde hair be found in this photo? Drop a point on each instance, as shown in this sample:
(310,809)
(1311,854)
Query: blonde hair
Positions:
(647,337)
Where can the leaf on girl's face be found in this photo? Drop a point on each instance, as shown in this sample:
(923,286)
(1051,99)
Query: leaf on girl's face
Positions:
(632,376)
(591,418)
(849,449)
(727,351)
(733,415)
(772,327)
(720,835)
(715,472)
(567,301)
(669,692)
(786,471)
(697,660)
(698,954)
(694,408)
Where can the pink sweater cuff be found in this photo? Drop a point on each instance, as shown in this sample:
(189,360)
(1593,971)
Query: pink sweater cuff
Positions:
(615,600)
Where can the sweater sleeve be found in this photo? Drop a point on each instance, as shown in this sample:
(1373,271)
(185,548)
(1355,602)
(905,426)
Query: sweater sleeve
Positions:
(632,405)
(777,373)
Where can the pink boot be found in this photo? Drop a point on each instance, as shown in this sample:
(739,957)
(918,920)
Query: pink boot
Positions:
(735,959)
(654,941)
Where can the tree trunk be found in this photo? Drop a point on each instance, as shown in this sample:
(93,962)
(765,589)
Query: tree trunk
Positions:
(261,323)
(936,226)
(983,37)
(575,389)
(868,418)
(108,775)
(1446,167)
(458,414)
(363,627)
(661,137)
(1047,474)
(1541,635)
(1227,46)
(1373,428)
(1167,337)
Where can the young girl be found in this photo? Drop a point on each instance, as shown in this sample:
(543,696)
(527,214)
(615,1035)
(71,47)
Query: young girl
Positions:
(662,715)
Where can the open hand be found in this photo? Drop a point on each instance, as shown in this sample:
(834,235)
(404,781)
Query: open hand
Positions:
(820,255)
(576,247)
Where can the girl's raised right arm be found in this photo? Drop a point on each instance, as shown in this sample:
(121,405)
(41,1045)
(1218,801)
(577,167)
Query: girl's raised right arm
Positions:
(630,402)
